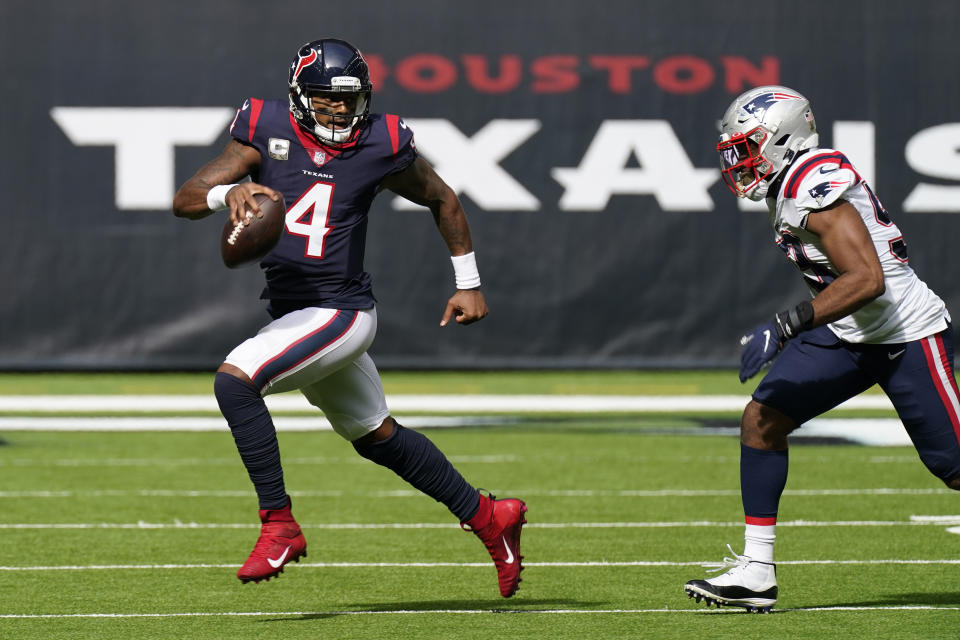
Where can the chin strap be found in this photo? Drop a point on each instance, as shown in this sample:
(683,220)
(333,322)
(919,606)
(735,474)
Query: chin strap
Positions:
(329,135)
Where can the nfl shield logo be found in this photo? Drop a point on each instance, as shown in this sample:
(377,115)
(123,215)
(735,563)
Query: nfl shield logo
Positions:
(319,157)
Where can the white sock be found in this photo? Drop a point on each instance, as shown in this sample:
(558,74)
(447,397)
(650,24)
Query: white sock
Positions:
(758,542)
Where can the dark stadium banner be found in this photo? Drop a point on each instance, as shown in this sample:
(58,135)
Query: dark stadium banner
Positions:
(580,137)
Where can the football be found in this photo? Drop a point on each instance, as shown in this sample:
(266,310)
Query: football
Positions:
(241,245)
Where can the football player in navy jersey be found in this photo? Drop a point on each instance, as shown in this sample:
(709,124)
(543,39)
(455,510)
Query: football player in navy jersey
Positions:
(329,156)
(871,321)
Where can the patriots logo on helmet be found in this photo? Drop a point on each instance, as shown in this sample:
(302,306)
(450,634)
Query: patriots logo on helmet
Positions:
(759,105)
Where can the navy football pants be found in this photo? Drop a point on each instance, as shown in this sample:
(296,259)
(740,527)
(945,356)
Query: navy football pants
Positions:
(817,371)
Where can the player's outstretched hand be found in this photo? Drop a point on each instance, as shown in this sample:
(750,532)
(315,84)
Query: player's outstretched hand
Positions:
(760,347)
(465,306)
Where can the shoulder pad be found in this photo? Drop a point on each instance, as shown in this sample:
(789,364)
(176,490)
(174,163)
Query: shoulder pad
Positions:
(820,180)
(244,125)
(399,134)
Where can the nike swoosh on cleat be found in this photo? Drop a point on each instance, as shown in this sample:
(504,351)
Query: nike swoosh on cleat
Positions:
(279,561)
(509,559)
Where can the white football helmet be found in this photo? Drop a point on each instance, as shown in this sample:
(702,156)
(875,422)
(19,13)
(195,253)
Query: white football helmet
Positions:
(760,134)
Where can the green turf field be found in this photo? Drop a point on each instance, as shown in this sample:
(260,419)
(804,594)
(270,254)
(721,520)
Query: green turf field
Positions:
(138,535)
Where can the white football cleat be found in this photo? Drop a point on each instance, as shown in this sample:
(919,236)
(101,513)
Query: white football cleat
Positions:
(748,583)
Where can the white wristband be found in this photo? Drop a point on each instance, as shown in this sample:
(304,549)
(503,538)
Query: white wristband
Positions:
(216,197)
(465,271)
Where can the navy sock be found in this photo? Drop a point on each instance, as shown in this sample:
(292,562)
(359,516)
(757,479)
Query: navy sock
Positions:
(413,457)
(763,475)
(256,438)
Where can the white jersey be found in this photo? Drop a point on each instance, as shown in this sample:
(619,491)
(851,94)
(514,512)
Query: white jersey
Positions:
(908,310)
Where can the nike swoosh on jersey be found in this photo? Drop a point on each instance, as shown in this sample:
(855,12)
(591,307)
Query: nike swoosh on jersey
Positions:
(279,561)
(894,356)
(509,559)
(828,169)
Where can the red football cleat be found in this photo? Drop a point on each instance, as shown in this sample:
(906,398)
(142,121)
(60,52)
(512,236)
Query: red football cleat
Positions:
(280,542)
(498,524)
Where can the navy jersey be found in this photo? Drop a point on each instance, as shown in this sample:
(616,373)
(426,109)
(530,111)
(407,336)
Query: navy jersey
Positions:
(328,192)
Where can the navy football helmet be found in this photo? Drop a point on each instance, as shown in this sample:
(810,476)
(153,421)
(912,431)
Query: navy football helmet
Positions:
(335,70)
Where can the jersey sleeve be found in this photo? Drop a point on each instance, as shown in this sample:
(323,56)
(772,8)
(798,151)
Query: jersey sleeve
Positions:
(821,191)
(244,126)
(819,183)
(401,142)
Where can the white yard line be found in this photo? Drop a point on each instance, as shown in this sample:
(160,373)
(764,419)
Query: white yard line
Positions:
(874,431)
(413,493)
(158,423)
(948,519)
(274,614)
(463,565)
(877,432)
(179,525)
(232,461)
(403,403)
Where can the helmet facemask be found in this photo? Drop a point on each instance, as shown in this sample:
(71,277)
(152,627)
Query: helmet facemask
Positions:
(762,132)
(339,122)
(742,164)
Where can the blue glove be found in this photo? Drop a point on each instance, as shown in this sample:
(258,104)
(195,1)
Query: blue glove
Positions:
(760,347)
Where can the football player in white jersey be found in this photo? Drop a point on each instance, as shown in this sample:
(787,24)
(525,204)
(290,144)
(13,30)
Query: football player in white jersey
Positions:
(871,321)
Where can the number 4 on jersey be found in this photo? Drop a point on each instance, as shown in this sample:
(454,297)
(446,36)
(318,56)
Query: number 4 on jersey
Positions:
(308,217)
